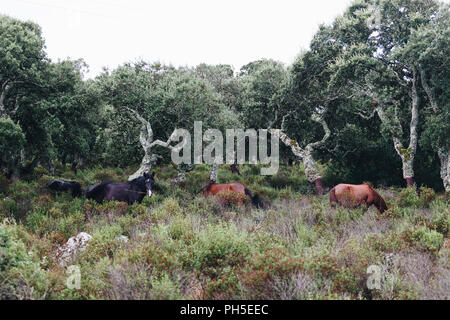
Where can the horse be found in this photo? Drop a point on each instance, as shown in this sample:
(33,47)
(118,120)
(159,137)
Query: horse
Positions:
(129,192)
(62,185)
(213,189)
(354,195)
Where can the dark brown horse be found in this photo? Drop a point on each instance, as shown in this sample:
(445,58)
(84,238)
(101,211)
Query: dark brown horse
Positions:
(354,195)
(130,192)
(62,185)
(215,189)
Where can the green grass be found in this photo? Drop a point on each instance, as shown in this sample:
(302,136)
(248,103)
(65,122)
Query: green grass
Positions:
(183,246)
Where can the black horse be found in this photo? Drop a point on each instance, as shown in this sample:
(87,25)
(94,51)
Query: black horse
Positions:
(62,185)
(130,192)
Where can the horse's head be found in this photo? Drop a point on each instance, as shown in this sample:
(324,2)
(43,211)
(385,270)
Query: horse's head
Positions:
(149,182)
(382,206)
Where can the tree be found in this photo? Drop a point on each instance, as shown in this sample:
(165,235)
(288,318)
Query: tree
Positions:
(12,141)
(22,59)
(71,104)
(430,47)
(162,99)
(377,67)
(278,98)
(22,66)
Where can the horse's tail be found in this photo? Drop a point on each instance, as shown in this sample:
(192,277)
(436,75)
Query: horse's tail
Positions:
(333,198)
(256,200)
(96,192)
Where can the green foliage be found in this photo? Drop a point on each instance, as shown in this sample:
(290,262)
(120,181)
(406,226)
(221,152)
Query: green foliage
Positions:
(424,238)
(218,246)
(426,196)
(20,274)
(8,208)
(182,245)
(12,141)
(408,197)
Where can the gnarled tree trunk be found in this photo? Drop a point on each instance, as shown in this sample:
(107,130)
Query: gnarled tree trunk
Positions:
(442,151)
(312,173)
(147,143)
(213,173)
(407,154)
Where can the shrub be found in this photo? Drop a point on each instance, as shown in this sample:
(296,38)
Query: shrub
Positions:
(394,212)
(441,223)
(408,197)
(204,206)
(426,196)
(216,247)
(106,175)
(39,172)
(164,288)
(103,244)
(424,238)
(54,219)
(20,276)
(8,208)
(230,198)
(258,272)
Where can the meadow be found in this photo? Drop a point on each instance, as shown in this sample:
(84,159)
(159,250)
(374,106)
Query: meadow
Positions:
(179,245)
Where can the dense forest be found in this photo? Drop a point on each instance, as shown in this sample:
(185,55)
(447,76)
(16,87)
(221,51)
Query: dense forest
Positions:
(378,75)
(368,101)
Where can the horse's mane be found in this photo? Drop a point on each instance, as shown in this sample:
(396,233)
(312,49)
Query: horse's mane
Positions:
(205,188)
(139,181)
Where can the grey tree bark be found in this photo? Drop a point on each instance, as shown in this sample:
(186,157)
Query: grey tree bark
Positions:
(306,155)
(406,154)
(147,143)
(442,151)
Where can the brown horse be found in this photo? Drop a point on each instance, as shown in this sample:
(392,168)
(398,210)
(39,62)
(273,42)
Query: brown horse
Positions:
(354,195)
(213,189)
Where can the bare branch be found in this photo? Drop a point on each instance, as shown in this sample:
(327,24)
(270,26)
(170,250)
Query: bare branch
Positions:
(145,124)
(369,116)
(319,119)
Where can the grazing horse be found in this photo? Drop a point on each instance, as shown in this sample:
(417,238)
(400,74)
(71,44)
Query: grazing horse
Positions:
(61,185)
(130,192)
(213,189)
(354,195)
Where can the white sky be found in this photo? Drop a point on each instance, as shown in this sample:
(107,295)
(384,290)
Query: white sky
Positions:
(111,32)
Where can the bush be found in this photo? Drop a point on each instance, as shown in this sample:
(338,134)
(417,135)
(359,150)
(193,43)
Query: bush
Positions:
(441,223)
(394,212)
(408,197)
(230,198)
(204,206)
(20,276)
(8,208)
(106,175)
(39,172)
(424,238)
(216,247)
(426,196)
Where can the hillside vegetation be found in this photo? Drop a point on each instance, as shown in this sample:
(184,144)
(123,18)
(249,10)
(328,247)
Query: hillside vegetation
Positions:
(182,246)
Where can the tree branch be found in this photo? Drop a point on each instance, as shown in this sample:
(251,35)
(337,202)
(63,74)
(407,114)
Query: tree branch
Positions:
(428,90)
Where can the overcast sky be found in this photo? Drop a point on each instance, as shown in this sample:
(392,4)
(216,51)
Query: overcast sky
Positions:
(111,32)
